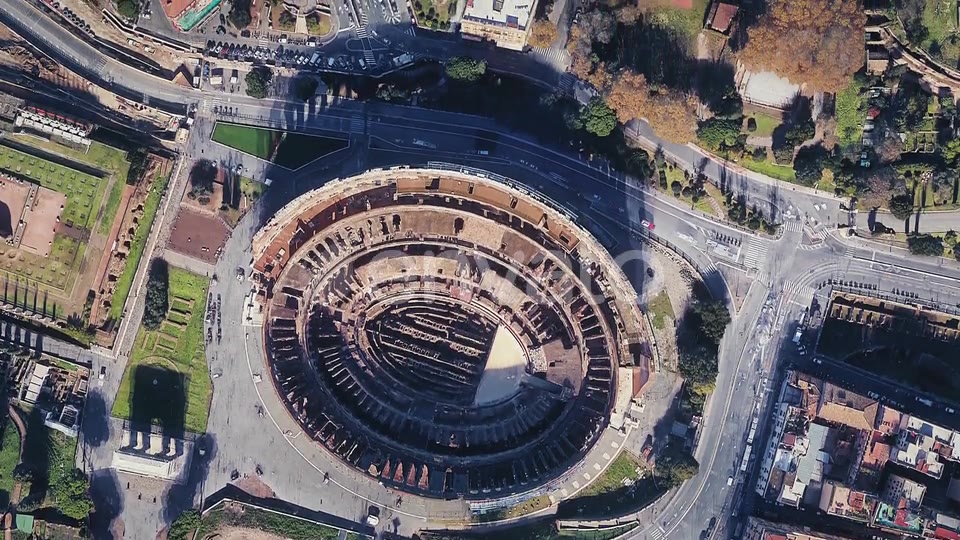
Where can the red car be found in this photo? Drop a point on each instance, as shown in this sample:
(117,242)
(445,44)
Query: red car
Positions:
(648,225)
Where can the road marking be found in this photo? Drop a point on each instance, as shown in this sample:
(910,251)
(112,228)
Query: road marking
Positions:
(753,251)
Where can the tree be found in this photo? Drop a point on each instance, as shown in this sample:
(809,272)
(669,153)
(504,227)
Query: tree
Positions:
(669,112)
(817,42)
(156,299)
(202,176)
(783,154)
(72,493)
(912,107)
(463,68)
(808,164)
(719,133)
(598,118)
(712,320)
(305,88)
(240,14)
(128,8)
(258,82)
(950,151)
(950,237)
(675,466)
(925,244)
(543,33)
(901,206)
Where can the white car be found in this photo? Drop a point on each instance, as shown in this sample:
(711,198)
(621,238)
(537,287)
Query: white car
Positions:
(950,410)
(648,225)
(103,372)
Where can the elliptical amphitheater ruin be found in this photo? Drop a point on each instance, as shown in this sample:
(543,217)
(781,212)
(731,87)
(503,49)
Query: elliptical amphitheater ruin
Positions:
(447,334)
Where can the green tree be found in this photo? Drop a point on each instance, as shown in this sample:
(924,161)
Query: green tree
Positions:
(675,466)
(73,494)
(305,88)
(464,68)
(719,133)
(182,528)
(240,14)
(950,151)
(808,164)
(598,118)
(698,367)
(128,8)
(258,81)
(156,299)
(925,244)
(712,319)
(901,206)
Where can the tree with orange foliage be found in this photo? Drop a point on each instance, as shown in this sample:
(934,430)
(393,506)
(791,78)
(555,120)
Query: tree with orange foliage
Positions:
(543,33)
(818,42)
(669,112)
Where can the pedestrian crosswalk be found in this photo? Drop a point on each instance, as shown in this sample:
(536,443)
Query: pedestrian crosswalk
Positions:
(411,30)
(812,247)
(753,252)
(567,81)
(794,225)
(557,57)
(657,533)
(362,32)
(801,293)
(358,124)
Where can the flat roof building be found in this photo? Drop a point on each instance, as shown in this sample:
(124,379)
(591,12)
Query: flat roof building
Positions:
(504,22)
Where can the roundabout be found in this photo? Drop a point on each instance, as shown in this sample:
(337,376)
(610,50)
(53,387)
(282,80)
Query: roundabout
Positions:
(443,334)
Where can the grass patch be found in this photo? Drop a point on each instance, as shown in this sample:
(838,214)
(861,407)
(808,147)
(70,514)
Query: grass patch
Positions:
(9,457)
(58,270)
(773,170)
(150,206)
(83,191)
(297,149)
(99,155)
(682,22)
(318,24)
(51,456)
(851,112)
(258,142)
(765,124)
(251,188)
(254,518)
(177,363)
(660,309)
(939,19)
(612,479)
(293,150)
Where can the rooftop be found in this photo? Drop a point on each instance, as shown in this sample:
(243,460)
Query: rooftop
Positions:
(509,13)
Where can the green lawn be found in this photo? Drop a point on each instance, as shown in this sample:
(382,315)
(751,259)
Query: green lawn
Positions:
(99,155)
(623,466)
(9,457)
(851,112)
(660,310)
(685,22)
(439,19)
(258,142)
(270,522)
(939,17)
(83,191)
(251,188)
(765,124)
(180,355)
(781,172)
(150,206)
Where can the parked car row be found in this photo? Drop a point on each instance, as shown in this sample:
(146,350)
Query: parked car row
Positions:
(285,57)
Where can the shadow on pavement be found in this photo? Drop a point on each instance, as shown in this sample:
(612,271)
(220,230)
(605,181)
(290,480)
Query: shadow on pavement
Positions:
(181,497)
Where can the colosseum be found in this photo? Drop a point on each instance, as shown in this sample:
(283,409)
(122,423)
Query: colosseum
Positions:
(447,334)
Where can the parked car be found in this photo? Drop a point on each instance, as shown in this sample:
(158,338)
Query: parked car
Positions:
(103,372)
